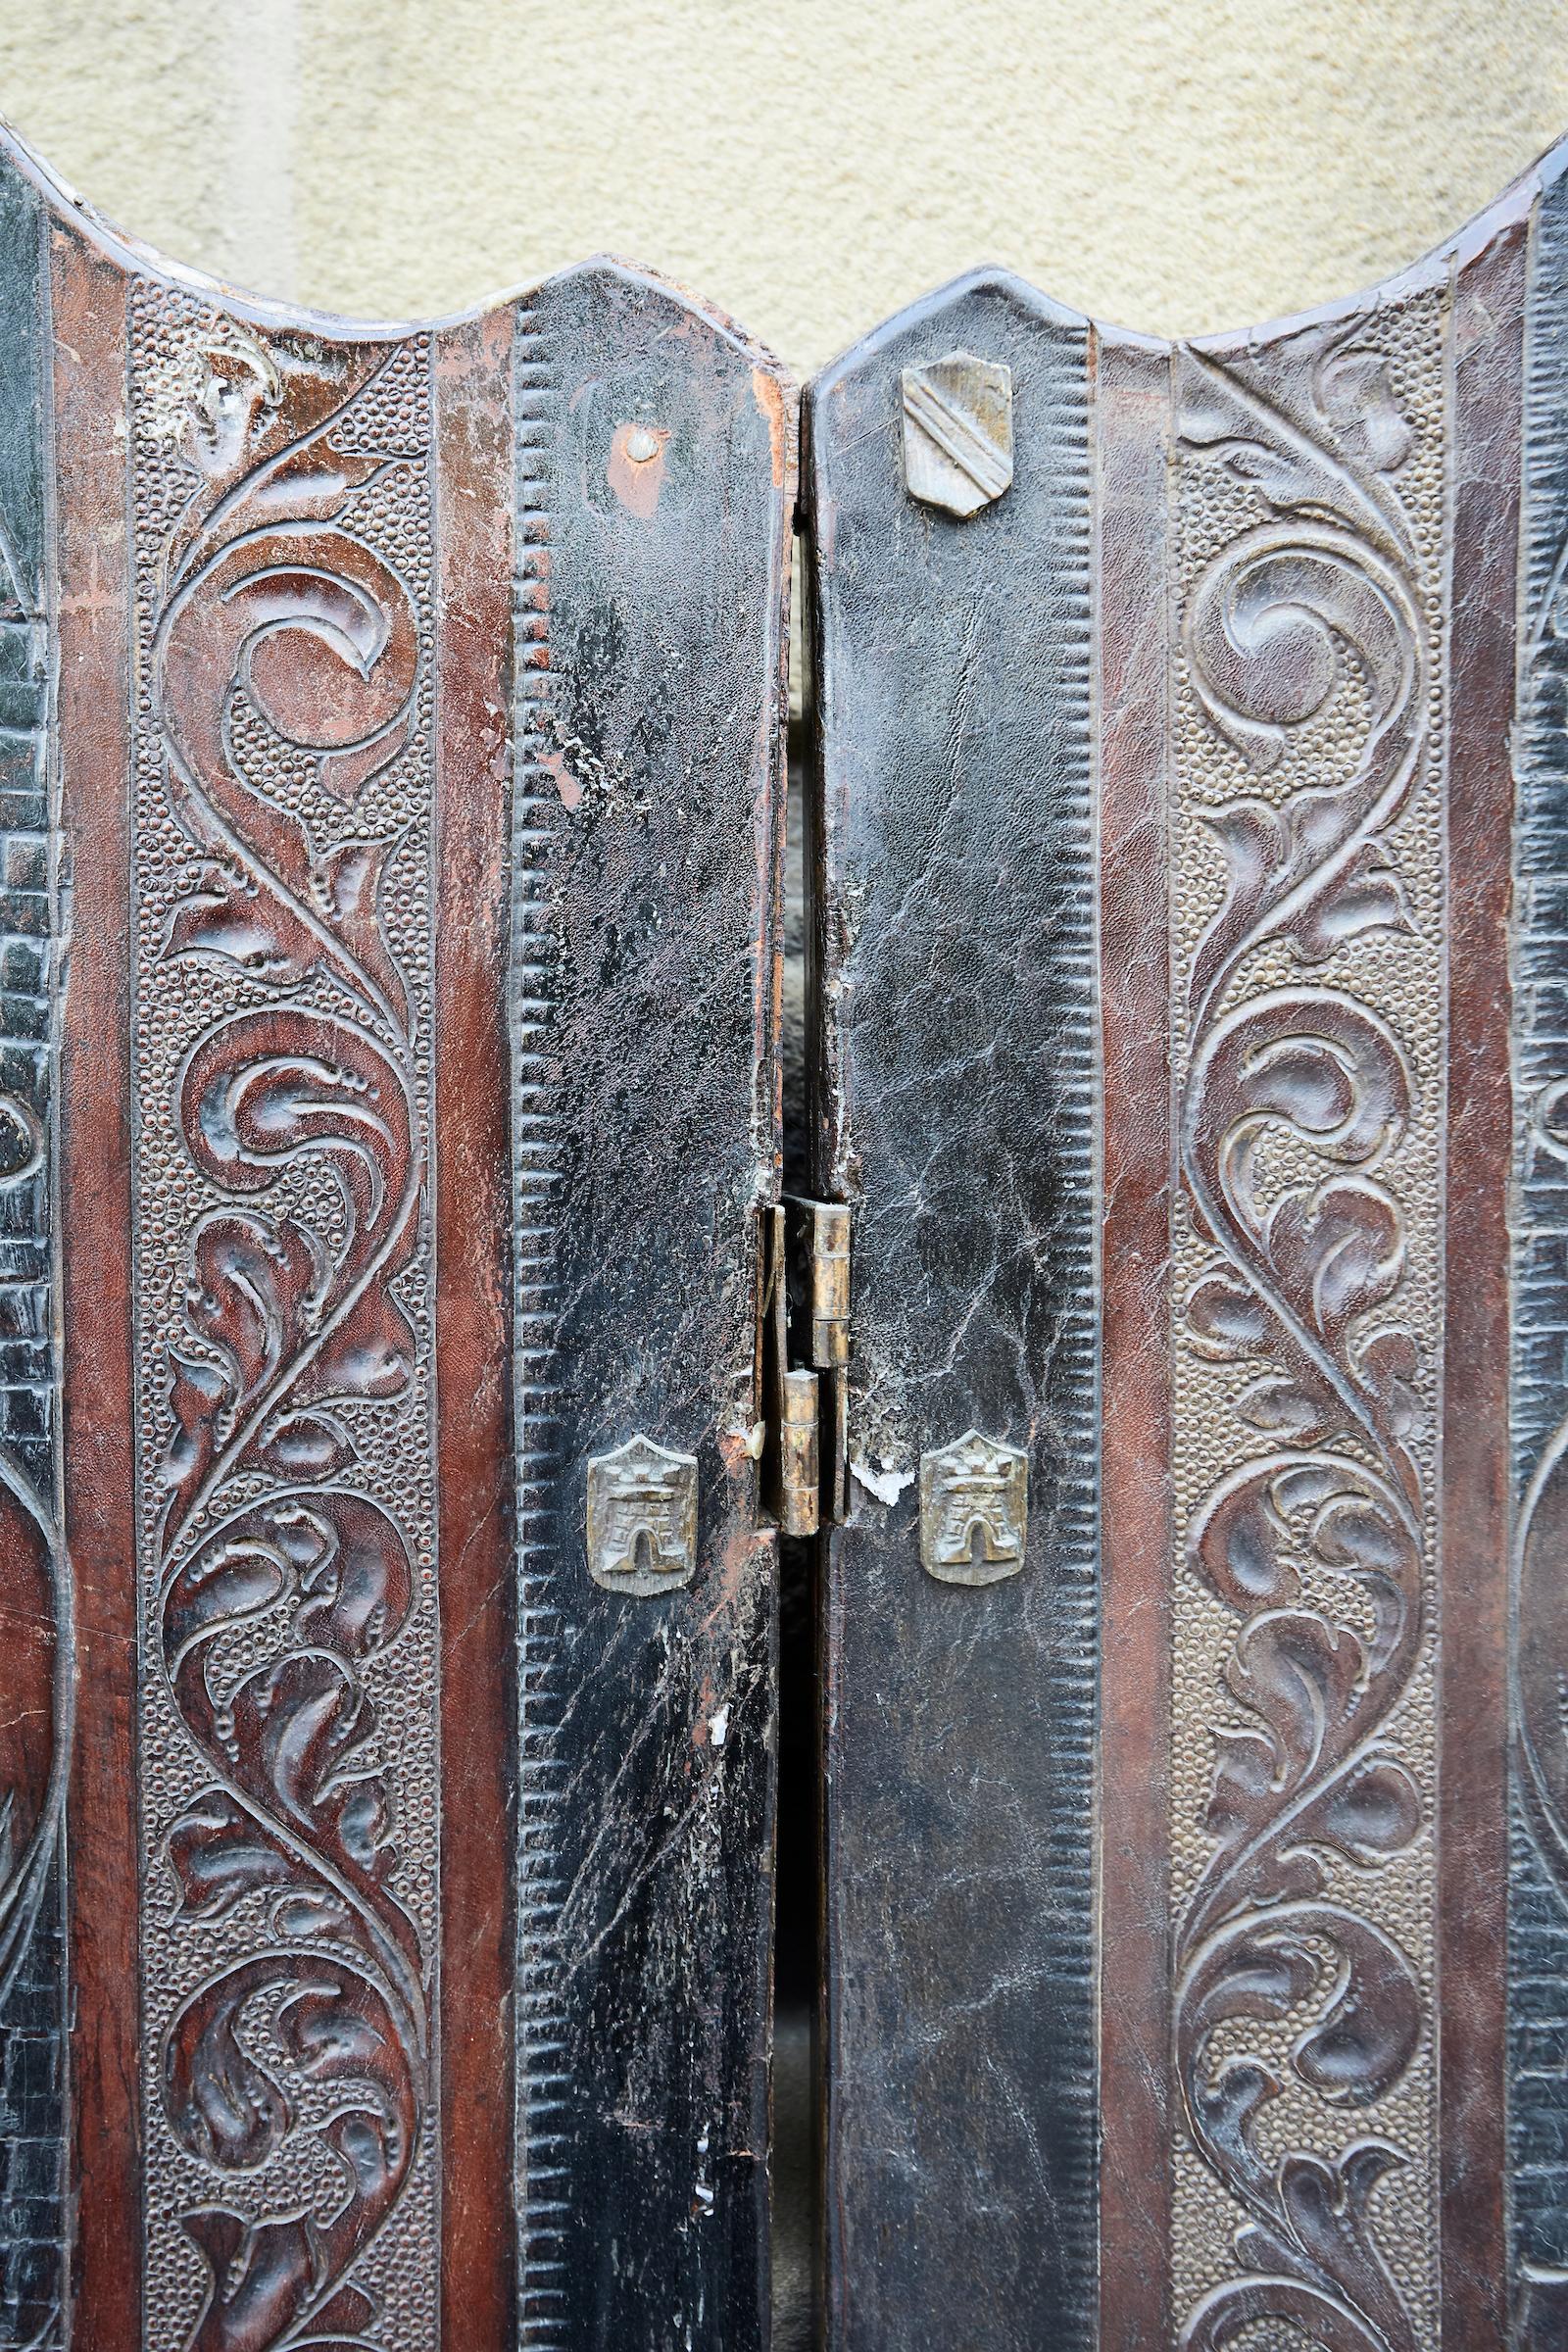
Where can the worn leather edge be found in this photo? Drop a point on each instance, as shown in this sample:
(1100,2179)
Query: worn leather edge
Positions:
(38,1603)
(1537,1919)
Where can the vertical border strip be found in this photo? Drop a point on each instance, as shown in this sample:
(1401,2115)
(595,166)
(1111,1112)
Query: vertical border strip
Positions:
(542,2175)
(1487,330)
(36,1613)
(1131,408)
(971,1982)
(473,1330)
(89,306)
(1537,1937)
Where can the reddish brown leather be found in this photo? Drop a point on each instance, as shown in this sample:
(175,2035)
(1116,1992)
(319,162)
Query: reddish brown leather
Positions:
(391,722)
(1132,407)
(474,425)
(88,309)
(1328,1914)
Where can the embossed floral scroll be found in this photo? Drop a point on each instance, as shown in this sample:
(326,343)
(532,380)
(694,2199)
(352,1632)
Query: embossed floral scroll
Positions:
(397,1311)
(1193,820)
(388,731)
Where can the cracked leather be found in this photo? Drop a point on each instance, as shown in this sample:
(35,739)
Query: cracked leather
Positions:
(955,989)
(1189,870)
(390,839)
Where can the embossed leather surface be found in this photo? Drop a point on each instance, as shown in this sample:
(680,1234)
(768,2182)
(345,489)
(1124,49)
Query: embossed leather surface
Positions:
(390,849)
(956,985)
(389,727)
(1195,1889)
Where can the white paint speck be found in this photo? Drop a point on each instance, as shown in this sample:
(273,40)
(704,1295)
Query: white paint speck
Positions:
(885,1484)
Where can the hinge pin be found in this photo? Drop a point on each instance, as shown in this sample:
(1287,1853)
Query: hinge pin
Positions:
(800,1501)
(801,1485)
(827,1245)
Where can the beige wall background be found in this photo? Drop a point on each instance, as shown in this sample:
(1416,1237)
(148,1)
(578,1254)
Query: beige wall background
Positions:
(810,164)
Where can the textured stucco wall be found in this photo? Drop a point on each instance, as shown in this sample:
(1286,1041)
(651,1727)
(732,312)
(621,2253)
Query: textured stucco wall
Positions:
(809,163)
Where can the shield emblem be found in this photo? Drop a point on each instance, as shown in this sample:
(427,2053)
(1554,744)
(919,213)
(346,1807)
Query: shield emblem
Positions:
(973,1510)
(642,1518)
(958,432)
(1192,712)
(390,824)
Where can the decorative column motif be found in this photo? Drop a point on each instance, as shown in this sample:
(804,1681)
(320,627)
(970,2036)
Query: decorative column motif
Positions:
(283,1273)
(1309,1011)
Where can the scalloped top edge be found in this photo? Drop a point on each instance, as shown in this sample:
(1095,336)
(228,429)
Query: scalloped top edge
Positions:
(134,253)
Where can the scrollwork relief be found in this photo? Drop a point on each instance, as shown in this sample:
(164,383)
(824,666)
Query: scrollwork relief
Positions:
(1298,2005)
(283,1108)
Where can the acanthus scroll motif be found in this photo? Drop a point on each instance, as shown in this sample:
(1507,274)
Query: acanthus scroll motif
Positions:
(1296,1098)
(282,1576)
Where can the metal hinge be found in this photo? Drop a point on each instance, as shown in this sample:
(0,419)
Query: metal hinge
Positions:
(807,1314)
